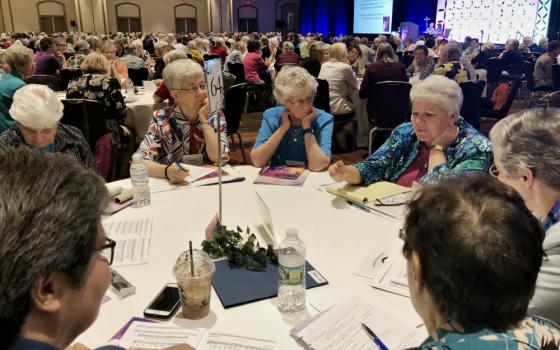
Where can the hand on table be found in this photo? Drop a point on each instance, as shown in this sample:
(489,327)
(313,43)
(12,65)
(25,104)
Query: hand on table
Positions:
(336,171)
(176,175)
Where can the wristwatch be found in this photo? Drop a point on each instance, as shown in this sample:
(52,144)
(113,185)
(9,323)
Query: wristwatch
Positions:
(438,148)
(308,131)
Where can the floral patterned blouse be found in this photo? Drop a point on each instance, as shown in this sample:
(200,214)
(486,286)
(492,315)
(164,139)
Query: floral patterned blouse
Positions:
(532,333)
(470,151)
(453,71)
(107,90)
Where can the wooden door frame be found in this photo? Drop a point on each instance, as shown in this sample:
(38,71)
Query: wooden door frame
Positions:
(257,17)
(128,3)
(189,5)
(56,2)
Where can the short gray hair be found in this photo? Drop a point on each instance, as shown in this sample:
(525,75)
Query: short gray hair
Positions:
(54,231)
(288,46)
(192,44)
(175,72)
(440,90)
(137,44)
(161,44)
(291,81)
(36,107)
(452,51)
(17,56)
(530,139)
(174,55)
(81,46)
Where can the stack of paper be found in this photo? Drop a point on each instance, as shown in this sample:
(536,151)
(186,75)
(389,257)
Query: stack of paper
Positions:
(366,194)
(133,240)
(198,176)
(340,327)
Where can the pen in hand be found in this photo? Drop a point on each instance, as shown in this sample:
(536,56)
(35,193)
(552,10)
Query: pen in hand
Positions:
(180,166)
(374,337)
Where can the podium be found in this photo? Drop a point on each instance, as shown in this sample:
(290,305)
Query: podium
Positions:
(409,30)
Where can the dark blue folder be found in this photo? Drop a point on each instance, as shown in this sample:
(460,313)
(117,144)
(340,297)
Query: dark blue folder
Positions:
(236,286)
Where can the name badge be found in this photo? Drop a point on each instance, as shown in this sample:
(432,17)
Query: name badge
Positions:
(295,163)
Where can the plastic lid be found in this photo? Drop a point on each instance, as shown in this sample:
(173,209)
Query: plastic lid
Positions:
(292,232)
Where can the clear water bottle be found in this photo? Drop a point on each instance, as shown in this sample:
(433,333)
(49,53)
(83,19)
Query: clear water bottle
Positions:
(291,273)
(129,89)
(139,178)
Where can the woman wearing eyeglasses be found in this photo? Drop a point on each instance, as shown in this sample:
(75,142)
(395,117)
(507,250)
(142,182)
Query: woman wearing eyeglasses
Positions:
(527,158)
(294,133)
(436,143)
(187,128)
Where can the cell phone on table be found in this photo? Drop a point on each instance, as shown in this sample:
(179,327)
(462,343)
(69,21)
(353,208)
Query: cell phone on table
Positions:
(165,304)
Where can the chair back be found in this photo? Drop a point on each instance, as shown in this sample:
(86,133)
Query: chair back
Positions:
(66,75)
(138,75)
(555,99)
(234,106)
(556,76)
(392,106)
(513,87)
(529,69)
(50,80)
(208,57)
(407,58)
(494,69)
(322,99)
(238,70)
(86,115)
(472,95)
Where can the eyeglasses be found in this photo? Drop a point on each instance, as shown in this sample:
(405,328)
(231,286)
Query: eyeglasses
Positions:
(108,250)
(301,102)
(494,171)
(194,89)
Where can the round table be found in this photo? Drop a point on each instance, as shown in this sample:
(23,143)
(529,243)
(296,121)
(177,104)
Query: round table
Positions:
(139,112)
(338,238)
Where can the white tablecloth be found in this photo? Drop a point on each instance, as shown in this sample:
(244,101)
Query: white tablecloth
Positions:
(337,237)
(139,112)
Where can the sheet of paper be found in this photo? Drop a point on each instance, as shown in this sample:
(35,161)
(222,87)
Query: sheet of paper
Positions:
(132,238)
(159,335)
(195,173)
(222,341)
(340,328)
(387,273)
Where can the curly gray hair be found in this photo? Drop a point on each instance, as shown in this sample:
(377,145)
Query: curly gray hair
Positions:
(292,81)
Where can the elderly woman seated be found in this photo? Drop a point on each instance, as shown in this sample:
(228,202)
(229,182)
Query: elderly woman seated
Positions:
(117,69)
(473,254)
(37,112)
(527,157)
(448,63)
(20,60)
(294,133)
(82,49)
(438,142)
(185,129)
(130,59)
(422,65)
(162,93)
(96,84)
(288,57)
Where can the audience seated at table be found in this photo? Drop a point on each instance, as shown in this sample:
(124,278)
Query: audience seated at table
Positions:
(526,46)
(130,59)
(473,253)
(140,51)
(422,66)
(543,66)
(37,112)
(161,48)
(195,53)
(288,57)
(220,49)
(20,60)
(49,61)
(294,133)
(385,68)
(512,58)
(448,64)
(437,143)
(186,128)
(527,158)
(117,69)
(96,84)
(487,52)
(472,51)
(82,49)
(162,93)
(271,51)
(318,54)
(254,65)
(235,55)
(356,60)
(542,47)
(55,254)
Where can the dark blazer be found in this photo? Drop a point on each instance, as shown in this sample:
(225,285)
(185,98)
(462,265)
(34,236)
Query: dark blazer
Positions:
(481,60)
(513,61)
(378,72)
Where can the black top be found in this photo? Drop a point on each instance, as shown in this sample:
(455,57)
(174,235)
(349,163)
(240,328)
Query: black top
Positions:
(313,66)
(481,60)
(513,61)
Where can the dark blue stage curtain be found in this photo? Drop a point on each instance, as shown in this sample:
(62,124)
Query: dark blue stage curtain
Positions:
(414,11)
(325,16)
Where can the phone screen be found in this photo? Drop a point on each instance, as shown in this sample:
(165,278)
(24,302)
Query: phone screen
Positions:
(166,300)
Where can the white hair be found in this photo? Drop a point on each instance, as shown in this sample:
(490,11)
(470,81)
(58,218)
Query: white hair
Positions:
(273,41)
(292,81)
(36,107)
(175,72)
(137,44)
(192,44)
(160,44)
(219,41)
(174,55)
(180,47)
(440,90)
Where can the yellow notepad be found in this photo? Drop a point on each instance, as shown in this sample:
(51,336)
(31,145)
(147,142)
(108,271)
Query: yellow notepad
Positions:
(365,194)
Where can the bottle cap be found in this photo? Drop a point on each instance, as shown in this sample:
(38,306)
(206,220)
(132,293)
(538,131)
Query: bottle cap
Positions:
(292,232)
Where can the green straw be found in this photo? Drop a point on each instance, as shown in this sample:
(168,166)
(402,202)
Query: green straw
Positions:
(192,258)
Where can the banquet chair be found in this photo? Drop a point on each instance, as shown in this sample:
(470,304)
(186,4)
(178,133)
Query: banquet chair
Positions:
(555,99)
(66,75)
(487,111)
(138,75)
(208,57)
(322,99)
(233,110)
(51,81)
(238,70)
(472,94)
(533,91)
(392,109)
(407,59)
(556,76)
(494,72)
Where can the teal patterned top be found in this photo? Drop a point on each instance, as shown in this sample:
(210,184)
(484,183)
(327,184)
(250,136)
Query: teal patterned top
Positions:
(533,333)
(470,151)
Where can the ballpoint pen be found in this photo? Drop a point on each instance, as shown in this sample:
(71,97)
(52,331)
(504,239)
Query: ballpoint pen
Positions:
(358,205)
(374,337)
(180,166)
